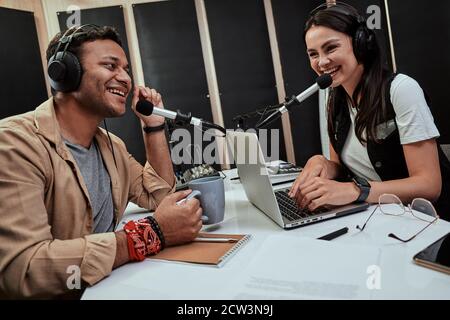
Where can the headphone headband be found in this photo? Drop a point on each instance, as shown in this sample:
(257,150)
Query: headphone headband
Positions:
(340,7)
(68,39)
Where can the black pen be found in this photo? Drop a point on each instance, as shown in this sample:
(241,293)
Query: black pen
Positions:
(334,234)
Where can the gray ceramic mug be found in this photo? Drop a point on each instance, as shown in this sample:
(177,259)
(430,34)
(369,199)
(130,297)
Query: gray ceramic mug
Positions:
(211,193)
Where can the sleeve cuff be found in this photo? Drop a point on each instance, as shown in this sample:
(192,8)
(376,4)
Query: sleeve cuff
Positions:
(99,257)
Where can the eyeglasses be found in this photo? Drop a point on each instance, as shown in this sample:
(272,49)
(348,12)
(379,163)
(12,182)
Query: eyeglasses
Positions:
(390,204)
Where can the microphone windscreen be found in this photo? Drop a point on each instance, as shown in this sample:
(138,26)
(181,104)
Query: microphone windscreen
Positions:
(144,107)
(324,81)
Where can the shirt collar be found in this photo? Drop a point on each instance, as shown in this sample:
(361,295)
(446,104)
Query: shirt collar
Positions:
(47,125)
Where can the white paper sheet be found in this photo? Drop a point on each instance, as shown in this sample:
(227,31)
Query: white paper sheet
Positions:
(316,269)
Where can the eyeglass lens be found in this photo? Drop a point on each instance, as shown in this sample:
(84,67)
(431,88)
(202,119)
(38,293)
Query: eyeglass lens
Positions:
(425,207)
(391,204)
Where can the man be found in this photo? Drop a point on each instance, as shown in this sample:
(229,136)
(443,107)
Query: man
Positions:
(65,184)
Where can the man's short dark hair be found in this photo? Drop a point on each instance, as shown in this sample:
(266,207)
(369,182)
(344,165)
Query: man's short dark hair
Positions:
(92,34)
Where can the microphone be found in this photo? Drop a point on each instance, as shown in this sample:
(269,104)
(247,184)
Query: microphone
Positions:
(147,108)
(322,82)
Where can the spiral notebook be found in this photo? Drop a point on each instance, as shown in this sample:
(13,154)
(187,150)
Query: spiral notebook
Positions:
(206,253)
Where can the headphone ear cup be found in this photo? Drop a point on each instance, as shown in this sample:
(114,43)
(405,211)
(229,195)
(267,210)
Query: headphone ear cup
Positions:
(56,69)
(64,72)
(363,43)
(360,44)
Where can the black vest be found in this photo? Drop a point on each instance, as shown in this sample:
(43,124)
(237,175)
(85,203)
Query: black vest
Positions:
(387,157)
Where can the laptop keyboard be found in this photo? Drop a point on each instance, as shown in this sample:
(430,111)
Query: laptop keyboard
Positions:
(290,210)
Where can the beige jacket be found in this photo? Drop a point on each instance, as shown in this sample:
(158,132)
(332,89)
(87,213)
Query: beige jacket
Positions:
(45,214)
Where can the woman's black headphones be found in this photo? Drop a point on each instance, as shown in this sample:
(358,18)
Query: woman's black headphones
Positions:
(363,39)
(64,68)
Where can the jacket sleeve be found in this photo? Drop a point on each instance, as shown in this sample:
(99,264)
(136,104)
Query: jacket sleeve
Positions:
(147,188)
(32,263)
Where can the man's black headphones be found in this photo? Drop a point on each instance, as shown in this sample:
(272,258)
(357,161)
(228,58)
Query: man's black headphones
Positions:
(64,68)
(363,39)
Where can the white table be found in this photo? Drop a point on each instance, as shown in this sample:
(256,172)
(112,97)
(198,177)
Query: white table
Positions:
(367,265)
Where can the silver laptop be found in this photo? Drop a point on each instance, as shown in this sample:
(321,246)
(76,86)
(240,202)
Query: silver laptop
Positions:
(275,201)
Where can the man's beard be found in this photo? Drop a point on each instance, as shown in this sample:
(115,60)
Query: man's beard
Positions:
(99,105)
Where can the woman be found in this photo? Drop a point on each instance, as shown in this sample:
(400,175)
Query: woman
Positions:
(382,133)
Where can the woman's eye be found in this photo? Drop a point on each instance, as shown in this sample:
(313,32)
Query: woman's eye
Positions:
(332,48)
(313,55)
(109,66)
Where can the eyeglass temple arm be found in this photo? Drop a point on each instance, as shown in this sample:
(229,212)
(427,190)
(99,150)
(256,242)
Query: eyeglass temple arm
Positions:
(407,240)
(364,225)
(391,235)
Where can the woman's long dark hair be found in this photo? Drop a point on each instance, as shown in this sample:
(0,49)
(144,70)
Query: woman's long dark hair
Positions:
(372,108)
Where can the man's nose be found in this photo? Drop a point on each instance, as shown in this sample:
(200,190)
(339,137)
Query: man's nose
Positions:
(123,77)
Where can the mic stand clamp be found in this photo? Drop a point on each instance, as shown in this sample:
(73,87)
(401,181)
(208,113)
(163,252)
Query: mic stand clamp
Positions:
(291,102)
(182,118)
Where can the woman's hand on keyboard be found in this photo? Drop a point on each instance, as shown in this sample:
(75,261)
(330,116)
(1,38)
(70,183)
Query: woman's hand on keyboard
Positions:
(321,191)
(315,167)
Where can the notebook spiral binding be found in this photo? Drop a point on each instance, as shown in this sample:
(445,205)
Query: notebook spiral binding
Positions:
(235,248)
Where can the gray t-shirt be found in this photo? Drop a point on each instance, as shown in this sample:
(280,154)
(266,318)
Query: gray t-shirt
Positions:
(98,183)
(414,120)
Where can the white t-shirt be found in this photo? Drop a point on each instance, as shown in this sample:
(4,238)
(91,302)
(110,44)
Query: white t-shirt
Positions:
(414,120)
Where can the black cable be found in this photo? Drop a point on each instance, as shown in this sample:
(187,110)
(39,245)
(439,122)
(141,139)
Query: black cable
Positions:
(110,142)
(211,126)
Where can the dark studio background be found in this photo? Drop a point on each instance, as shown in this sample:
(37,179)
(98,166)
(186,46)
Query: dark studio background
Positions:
(172,59)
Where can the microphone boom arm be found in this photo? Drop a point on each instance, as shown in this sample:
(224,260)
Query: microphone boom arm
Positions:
(322,82)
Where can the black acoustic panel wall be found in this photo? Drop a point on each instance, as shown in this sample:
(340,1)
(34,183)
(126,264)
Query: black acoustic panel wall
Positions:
(172,59)
(243,60)
(421,31)
(127,127)
(22,79)
(290,17)
(171,54)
